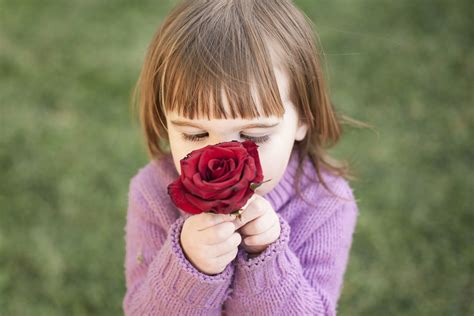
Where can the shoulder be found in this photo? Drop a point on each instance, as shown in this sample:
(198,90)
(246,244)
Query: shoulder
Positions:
(149,188)
(315,203)
(338,188)
(154,174)
(335,186)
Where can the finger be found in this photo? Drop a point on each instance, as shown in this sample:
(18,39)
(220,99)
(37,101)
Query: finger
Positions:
(265,238)
(238,222)
(218,233)
(255,209)
(224,260)
(253,197)
(259,225)
(205,220)
(227,245)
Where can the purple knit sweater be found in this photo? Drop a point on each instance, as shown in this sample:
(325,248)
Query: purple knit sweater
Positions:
(301,273)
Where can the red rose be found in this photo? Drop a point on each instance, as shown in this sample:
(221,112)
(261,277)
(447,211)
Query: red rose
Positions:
(217,178)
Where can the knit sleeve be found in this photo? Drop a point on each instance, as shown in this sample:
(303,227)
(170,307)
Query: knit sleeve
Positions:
(306,281)
(159,278)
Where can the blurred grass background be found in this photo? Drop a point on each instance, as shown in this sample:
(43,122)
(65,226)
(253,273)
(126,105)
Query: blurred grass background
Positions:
(68,149)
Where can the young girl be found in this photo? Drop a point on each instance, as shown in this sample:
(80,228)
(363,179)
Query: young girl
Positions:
(223,70)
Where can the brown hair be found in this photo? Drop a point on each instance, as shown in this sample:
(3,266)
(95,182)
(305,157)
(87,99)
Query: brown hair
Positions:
(204,48)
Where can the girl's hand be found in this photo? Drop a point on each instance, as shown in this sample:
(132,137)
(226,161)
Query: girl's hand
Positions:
(210,242)
(258,225)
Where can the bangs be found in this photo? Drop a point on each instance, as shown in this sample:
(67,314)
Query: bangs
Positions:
(210,66)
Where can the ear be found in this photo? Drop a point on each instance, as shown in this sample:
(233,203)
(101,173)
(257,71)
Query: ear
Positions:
(301,131)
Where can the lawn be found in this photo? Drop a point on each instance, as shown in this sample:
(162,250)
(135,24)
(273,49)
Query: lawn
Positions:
(69,146)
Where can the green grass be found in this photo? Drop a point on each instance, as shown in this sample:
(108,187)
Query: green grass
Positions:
(68,148)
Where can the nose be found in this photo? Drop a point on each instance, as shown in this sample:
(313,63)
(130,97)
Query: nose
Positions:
(222,139)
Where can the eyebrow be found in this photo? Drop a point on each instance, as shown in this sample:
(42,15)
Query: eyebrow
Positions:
(253,125)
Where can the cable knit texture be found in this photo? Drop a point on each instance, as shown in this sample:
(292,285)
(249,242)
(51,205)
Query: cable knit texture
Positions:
(301,273)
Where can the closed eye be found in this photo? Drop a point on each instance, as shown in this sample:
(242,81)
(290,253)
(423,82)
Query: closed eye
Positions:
(200,137)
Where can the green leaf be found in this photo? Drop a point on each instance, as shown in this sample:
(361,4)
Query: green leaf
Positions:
(254,186)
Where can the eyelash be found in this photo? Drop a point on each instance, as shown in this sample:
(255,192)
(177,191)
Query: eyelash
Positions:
(199,137)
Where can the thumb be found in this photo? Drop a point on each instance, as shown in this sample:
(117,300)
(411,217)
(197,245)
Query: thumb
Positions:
(252,198)
(238,222)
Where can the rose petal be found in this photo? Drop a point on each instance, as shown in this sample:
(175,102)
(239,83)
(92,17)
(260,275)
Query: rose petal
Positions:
(235,170)
(241,155)
(176,192)
(214,185)
(192,188)
(258,176)
(252,150)
(217,178)
(188,165)
(220,168)
(239,193)
(230,144)
(238,201)
(232,192)
(249,170)
(212,153)
(203,205)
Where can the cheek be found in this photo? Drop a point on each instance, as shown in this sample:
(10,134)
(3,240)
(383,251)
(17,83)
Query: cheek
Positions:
(176,160)
(274,158)
(270,167)
(179,150)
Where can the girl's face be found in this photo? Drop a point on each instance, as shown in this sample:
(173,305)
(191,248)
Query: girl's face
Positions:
(274,136)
